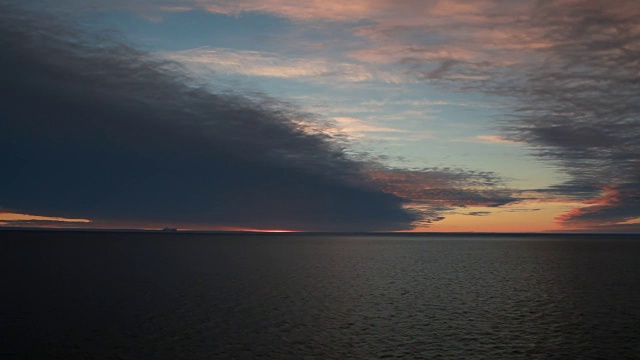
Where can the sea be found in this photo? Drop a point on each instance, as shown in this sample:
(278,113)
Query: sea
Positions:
(153,295)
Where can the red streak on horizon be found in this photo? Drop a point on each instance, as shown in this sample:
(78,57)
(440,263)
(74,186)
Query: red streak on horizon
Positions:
(255,230)
(609,196)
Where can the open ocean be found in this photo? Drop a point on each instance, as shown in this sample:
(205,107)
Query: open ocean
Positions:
(197,296)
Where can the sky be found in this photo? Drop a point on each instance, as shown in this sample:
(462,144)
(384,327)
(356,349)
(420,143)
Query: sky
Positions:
(322,115)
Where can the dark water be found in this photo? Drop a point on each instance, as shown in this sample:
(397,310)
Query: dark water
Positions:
(135,296)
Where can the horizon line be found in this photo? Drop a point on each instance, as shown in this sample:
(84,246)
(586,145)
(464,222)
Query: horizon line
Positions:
(296,232)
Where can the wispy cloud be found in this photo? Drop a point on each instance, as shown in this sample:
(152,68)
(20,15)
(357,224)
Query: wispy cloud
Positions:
(494,139)
(265,64)
(427,103)
(477,213)
(433,192)
(309,11)
(356,126)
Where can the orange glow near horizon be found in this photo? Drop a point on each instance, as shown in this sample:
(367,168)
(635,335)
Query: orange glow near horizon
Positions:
(532,216)
(231,228)
(10,216)
(523,217)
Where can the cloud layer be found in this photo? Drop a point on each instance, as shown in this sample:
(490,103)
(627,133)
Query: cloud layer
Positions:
(95,129)
(569,68)
(579,108)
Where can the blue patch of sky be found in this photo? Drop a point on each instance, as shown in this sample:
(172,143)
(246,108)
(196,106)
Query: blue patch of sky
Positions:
(191,29)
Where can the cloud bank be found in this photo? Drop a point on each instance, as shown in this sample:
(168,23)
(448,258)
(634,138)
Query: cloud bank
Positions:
(92,128)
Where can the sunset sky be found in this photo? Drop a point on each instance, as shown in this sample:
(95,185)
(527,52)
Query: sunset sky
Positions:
(321,115)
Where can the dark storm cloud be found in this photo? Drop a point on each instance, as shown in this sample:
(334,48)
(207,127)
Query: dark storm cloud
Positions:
(93,128)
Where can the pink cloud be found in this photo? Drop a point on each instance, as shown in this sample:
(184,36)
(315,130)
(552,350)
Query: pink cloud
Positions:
(609,198)
(308,10)
(494,139)
(266,64)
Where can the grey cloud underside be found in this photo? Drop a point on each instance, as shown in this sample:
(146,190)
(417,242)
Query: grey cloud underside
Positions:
(91,128)
(617,228)
(519,210)
(478,213)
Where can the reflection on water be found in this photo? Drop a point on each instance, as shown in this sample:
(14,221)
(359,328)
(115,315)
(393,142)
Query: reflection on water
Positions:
(288,296)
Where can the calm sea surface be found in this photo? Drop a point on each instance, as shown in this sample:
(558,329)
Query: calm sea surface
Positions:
(165,296)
